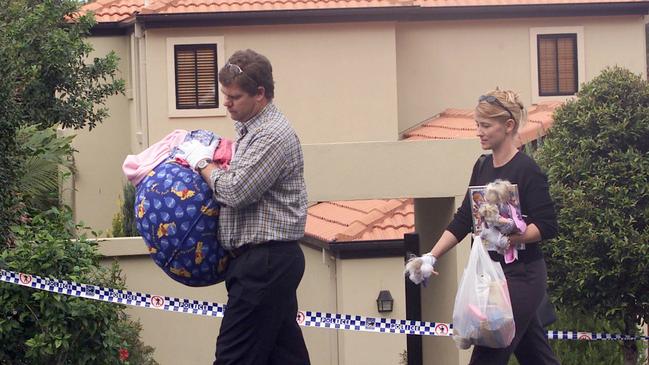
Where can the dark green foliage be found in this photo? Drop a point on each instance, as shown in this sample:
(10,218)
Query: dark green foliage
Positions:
(587,352)
(47,161)
(8,147)
(571,352)
(56,84)
(597,160)
(47,80)
(38,327)
(124,220)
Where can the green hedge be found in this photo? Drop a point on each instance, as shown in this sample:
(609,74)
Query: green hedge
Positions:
(38,327)
(572,352)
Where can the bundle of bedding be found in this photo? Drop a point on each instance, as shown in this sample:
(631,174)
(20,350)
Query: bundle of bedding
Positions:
(174,209)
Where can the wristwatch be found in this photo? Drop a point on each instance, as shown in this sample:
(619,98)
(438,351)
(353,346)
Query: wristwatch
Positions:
(203,164)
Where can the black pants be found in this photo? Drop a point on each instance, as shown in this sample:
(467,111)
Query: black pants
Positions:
(259,325)
(527,283)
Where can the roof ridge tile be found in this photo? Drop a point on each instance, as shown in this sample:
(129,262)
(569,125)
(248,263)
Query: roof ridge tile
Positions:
(370,221)
(447,127)
(330,220)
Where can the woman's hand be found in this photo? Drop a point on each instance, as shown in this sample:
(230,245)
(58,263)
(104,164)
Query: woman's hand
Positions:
(419,269)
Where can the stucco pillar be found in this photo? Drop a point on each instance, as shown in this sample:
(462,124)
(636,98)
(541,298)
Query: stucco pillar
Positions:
(431,218)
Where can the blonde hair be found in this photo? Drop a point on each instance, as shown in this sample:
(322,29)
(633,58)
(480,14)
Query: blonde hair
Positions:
(510,100)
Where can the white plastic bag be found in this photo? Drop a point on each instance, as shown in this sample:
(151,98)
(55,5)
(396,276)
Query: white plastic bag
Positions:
(482,314)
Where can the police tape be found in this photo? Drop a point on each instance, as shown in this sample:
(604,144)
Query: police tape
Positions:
(304,318)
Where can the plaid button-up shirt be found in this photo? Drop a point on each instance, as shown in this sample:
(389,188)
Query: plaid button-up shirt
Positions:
(263,194)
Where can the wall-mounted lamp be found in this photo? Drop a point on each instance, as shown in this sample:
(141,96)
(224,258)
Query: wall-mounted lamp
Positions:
(384,302)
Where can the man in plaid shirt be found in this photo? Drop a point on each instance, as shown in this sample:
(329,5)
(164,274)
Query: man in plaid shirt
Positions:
(263,214)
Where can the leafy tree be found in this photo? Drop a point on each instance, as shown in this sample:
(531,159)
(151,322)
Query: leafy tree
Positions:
(597,160)
(47,80)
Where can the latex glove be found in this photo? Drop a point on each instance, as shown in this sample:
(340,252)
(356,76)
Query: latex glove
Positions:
(419,269)
(194,151)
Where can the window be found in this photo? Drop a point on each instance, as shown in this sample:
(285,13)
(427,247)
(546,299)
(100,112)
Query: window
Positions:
(557,64)
(193,66)
(196,80)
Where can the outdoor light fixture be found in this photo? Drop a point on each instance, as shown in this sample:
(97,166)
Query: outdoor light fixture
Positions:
(384,302)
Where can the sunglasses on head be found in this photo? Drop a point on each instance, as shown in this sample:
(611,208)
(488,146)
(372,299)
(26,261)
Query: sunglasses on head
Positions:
(494,101)
(235,68)
(239,71)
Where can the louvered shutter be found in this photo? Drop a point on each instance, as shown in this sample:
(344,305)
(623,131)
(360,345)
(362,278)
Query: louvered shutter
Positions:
(557,62)
(196,76)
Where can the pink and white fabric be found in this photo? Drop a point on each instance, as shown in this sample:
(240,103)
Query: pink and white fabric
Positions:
(136,167)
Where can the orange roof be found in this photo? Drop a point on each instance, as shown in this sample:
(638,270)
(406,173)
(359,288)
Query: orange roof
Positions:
(459,123)
(107,11)
(361,220)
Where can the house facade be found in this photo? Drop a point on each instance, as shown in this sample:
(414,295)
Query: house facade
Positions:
(355,78)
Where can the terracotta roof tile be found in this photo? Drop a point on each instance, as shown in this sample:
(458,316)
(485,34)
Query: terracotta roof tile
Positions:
(459,123)
(360,220)
(107,11)
(119,10)
(513,2)
(450,124)
(205,6)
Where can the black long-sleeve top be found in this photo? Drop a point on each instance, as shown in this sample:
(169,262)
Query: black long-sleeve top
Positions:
(536,205)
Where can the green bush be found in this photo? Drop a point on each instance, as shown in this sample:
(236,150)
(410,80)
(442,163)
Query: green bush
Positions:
(587,352)
(124,220)
(597,159)
(38,327)
(573,352)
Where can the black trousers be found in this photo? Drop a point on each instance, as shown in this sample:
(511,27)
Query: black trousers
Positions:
(259,325)
(527,283)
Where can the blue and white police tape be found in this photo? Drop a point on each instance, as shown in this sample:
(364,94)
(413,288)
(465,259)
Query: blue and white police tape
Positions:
(304,318)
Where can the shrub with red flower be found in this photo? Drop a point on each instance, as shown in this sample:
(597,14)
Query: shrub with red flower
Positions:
(123,354)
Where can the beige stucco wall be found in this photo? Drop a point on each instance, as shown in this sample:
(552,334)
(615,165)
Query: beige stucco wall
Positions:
(359,282)
(437,299)
(317,292)
(450,63)
(427,168)
(618,41)
(101,151)
(335,82)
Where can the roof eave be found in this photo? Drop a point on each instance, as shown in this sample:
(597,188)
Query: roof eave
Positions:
(402,13)
(368,249)
(113,28)
(358,249)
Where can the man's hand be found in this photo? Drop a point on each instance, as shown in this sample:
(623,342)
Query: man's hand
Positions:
(194,151)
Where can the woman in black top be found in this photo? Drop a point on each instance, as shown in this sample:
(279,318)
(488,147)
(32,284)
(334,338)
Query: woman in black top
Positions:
(498,116)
